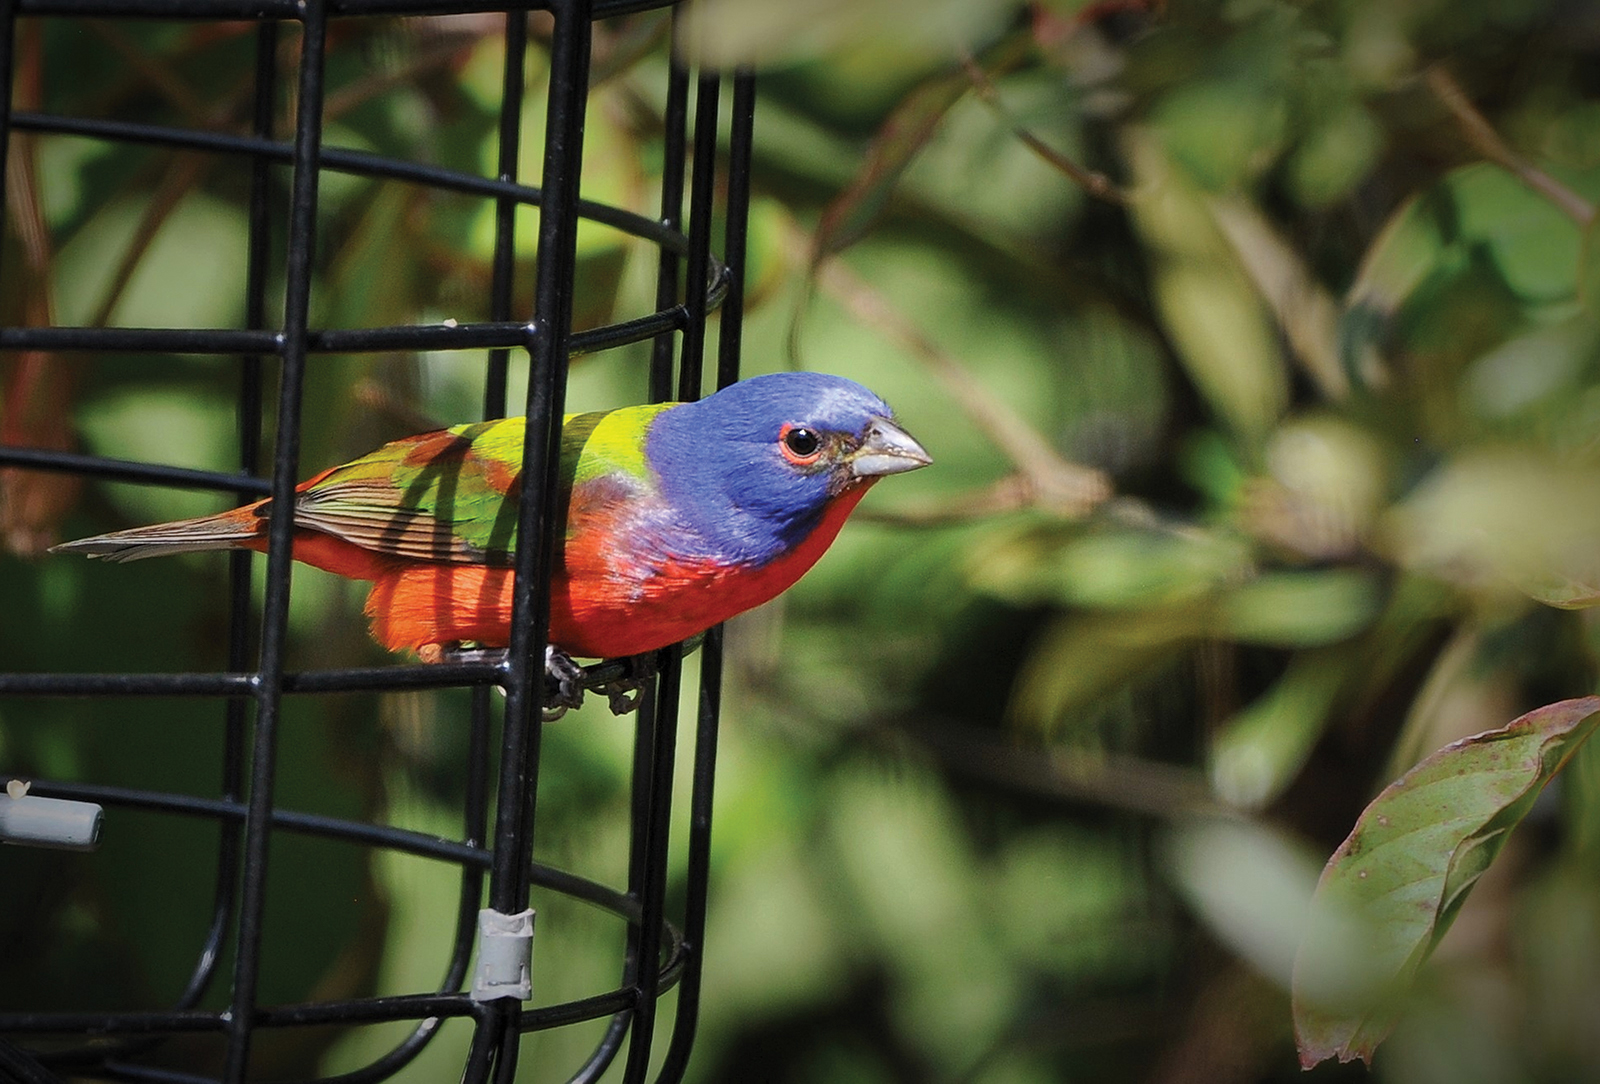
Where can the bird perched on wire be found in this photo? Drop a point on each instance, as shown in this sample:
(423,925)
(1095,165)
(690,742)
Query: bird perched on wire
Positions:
(675,517)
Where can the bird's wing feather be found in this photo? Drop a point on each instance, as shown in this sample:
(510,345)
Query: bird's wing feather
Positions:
(181,536)
(450,495)
(453,495)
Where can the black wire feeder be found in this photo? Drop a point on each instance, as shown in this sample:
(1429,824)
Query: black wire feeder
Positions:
(493,858)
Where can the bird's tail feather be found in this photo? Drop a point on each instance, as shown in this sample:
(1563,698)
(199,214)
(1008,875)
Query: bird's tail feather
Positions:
(221,532)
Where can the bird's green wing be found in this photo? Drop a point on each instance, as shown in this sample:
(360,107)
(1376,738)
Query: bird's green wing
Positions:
(449,495)
(453,494)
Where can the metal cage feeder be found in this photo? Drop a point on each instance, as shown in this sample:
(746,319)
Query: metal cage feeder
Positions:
(492,855)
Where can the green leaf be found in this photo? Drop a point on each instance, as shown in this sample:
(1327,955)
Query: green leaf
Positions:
(1334,157)
(1081,658)
(1411,246)
(1221,132)
(729,33)
(1300,609)
(1108,569)
(1535,246)
(1504,518)
(1258,752)
(903,135)
(189,276)
(1392,889)
(1213,314)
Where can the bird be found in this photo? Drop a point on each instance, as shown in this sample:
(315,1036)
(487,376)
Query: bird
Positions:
(672,517)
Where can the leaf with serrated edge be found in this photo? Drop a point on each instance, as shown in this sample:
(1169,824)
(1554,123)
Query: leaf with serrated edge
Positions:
(1393,887)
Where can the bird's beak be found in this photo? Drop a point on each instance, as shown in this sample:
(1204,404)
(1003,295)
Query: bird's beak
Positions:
(887,449)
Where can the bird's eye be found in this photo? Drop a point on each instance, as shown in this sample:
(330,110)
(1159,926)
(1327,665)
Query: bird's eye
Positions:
(800,445)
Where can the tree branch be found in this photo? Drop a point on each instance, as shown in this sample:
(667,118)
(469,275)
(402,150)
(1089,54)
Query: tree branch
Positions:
(1487,142)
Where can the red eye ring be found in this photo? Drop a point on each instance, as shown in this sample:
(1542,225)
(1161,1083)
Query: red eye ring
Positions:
(800,445)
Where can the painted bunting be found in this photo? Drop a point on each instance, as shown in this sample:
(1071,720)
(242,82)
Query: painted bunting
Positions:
(676,516)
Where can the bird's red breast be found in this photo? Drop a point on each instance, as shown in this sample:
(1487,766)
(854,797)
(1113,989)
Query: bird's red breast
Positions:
(592,614)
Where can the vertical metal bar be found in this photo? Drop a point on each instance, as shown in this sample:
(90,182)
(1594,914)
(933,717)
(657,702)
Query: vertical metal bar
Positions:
(661,386)
(274,621)
(674,153)
(741,148)
(663,713)
(697,270)
(513,83)
(249,419)
(660,714)
(475,819)
(547,349)
(729,347)
(699,870)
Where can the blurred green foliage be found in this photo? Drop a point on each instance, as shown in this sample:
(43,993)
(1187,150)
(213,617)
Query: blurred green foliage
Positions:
(1258,349)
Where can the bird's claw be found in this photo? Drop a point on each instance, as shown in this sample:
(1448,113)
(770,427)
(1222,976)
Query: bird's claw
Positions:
(460,652)
(564,680)
(625,692)
(563,684)
(569,681)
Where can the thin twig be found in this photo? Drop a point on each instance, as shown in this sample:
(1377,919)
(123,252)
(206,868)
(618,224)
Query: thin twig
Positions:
(1064,487)
(1487,142)
(156,71)
(362,90)
(1106,779)
(182,176)
(1012,493)
(1305,310)
(1095,183)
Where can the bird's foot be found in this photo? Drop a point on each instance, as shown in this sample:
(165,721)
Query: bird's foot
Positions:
(625,692)
(457,651)
(564,680)
(563,684)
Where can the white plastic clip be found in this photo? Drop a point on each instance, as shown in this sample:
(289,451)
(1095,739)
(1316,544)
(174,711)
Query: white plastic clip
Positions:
(47,822)
(505,956)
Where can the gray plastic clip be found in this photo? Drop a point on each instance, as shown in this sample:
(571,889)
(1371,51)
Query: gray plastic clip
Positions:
(33,821)
(505,956)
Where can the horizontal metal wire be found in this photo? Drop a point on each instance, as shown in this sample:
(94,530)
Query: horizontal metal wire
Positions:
(124,470)
(291,10)
(432,337)
(372,1010)
(342,160)
(245,683)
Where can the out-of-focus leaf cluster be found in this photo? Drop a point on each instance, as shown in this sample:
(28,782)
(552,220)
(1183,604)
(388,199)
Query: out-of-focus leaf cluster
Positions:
(1313,286)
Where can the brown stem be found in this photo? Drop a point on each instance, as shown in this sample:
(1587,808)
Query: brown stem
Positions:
(156,71)
(181,176)
(1486,141)
(1106,779)
(1010,494)
(1056,483)
(348,97)
(1091,181)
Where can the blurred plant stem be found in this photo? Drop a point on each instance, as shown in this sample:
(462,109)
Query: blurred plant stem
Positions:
(36,388)
(1109,780)
(1095,183)
(1045,479)
(1482,137)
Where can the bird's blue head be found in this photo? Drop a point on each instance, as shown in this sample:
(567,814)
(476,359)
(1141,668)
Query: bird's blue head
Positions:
(754,466)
